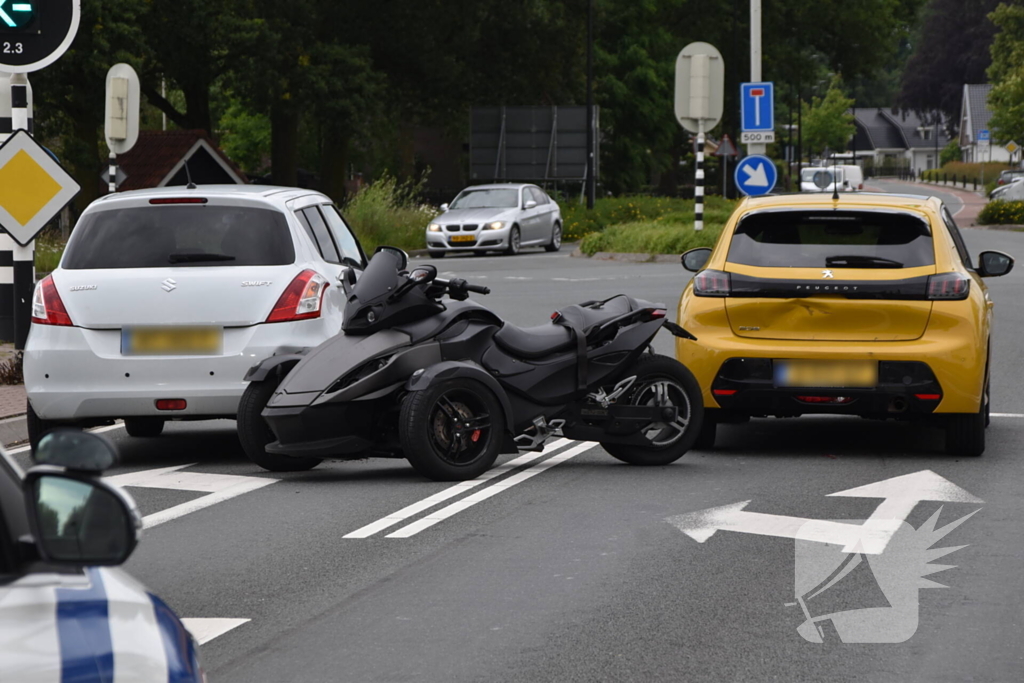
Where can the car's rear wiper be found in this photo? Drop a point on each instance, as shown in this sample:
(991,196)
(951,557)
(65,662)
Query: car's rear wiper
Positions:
(196,257)
(858,261)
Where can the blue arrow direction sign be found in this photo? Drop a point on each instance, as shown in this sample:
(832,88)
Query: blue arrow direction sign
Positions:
(757,106)
(17,14)
(755,175)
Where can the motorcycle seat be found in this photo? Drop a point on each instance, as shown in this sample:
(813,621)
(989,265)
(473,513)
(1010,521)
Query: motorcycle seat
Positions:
(534,342)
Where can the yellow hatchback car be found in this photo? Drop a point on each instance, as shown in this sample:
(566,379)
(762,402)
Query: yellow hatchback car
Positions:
(868,304)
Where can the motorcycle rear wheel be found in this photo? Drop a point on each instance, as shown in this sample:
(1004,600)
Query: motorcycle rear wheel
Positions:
(452,431)
(665,382)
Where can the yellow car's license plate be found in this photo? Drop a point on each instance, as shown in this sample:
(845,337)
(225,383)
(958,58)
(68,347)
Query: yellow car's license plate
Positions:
(171,341)
(826,373)
(463,238)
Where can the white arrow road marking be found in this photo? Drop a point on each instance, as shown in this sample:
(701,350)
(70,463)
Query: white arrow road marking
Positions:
(452,491)
(756,176)
(205,630)
(219,487)
(480,496)
(899,494)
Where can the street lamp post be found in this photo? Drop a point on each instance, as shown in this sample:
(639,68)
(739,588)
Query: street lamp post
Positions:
(590,179)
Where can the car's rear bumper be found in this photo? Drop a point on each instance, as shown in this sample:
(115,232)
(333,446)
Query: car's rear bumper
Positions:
(72,373)
(955,355)
(904,389)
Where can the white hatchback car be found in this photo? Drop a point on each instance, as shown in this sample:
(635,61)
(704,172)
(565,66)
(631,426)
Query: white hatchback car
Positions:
(164,299)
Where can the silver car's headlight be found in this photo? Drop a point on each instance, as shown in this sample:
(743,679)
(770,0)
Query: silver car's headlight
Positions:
(496,225)
(434,227)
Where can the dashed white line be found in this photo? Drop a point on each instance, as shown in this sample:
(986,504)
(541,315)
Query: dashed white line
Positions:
(206,629)
(493,490)
(452,491)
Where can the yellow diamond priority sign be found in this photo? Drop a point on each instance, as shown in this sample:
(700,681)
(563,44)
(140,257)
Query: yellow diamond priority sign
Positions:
(33,187)
(1012,146)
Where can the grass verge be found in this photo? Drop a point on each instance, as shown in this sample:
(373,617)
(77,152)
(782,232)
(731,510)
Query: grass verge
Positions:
(387,213)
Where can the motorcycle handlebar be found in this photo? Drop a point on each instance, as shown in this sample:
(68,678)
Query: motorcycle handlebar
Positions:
(459,283)
(478,289)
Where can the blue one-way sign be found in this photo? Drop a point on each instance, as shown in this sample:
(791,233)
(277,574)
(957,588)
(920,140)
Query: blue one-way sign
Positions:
(757,107)
(755,175)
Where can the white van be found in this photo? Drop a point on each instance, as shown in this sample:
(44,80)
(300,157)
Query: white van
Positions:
(823,178)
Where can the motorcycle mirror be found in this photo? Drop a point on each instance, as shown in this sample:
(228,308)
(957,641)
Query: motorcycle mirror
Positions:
(403,258)
(423,274)
(348,280)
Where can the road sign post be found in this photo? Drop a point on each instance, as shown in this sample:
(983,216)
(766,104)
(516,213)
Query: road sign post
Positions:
(121,116)
(699,98)
(33,35)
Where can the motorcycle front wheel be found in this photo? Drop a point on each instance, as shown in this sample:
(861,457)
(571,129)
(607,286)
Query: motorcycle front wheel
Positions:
(451,431)
(664,382)
(255,434)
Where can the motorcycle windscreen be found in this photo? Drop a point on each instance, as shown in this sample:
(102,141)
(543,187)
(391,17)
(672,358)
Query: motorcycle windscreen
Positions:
(378,280)
(831,276)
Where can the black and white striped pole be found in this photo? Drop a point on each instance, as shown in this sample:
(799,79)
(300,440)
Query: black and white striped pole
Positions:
(23,257)
(699,97)
(698,186)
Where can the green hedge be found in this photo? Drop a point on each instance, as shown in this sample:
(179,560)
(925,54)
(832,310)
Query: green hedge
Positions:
(1002,213)
(578,222)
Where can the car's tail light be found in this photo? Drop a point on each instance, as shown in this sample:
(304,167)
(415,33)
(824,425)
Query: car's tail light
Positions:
(947,286)
(47,308)
(711,283)
(724,392)
(301,300)
(928,397)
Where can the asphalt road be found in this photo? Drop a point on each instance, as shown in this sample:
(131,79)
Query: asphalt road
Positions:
(574,574)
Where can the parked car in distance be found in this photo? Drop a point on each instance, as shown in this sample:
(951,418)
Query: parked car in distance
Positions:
(1008,176)
(870,305)
(165,297)
(67,613)
(850,178)
(1011,191)
(501,217)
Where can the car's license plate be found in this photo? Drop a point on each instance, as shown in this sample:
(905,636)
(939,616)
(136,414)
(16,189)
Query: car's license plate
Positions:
(826,373)
(171,341)
(463,238)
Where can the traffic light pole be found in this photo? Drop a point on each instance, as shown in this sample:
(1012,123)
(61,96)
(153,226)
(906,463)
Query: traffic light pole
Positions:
(24,268)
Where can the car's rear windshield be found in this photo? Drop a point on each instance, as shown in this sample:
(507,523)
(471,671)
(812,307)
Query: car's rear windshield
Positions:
(832,239)
(180,236)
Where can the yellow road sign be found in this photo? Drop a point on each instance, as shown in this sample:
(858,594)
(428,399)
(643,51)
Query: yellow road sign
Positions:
(33,187)
(1012,146)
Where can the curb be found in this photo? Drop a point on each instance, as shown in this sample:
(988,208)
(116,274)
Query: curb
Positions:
(628,258)
(13,430)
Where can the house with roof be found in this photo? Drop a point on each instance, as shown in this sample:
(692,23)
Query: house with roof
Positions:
(171,157)
(974,117)
(894,139)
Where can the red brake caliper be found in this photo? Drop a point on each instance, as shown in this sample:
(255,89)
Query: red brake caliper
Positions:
(475,436)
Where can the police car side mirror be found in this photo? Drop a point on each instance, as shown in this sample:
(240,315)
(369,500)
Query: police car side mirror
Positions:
(79,520)
(76,450)
(695,259)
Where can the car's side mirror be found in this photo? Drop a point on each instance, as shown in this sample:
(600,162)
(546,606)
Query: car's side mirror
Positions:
(529,204)
(444,207)
(994,263)
(695,259)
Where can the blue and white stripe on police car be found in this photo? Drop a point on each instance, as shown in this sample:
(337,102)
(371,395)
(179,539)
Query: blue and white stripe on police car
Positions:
(100,626)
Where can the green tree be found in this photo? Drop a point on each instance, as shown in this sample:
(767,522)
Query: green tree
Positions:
(1007,73)
(828,123)
(949,153)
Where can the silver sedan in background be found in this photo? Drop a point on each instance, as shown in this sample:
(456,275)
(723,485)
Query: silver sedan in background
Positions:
(501,217)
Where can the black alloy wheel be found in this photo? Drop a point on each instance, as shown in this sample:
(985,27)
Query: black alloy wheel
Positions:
(664,382)
(37,426)
(452,431)
(436,254)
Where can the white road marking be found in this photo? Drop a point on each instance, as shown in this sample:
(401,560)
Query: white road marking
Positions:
(899,494)
(204,630)
(220,487)
(452,491)
(493,490)
(1007,414)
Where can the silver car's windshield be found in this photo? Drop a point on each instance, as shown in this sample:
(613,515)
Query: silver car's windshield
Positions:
(487,199)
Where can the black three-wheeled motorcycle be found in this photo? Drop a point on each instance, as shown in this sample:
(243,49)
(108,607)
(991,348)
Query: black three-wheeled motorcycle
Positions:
(448,385)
